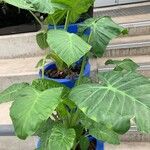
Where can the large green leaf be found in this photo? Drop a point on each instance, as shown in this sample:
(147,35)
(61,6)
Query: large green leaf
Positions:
(103,31)
(11,92)
(45,126)
(75,7)
(44,84)
(68,46)
(24,4)
(31,108)
(84,143)
(58,138)
(43,6)
(126,64)
(57,17)
(99,130)
(119,95)
(41,40)
(58,61)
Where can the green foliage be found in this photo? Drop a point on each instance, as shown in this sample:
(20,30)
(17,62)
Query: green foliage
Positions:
(58,137)
(40,63)
(68,46)
(24,4)
(11,92)
(126,64)
(41,40)
(99,130)
(44,84)
(31,108)
(56,18)
(103,30)
(59,62)
(84,143)
(42,6)
(74,7)
(115,97)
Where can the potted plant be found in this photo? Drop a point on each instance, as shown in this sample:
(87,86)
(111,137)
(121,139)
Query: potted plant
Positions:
(67,118)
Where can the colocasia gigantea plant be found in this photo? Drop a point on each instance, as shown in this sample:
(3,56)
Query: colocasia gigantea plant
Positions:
(63,118)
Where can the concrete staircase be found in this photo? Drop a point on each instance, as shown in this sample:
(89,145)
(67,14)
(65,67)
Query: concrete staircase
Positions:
(19,54)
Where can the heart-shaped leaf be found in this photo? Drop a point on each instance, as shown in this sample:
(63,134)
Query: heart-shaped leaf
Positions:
(41,40)
(119,95)
(103,31)
(58,138)
(68,46)
(31,108)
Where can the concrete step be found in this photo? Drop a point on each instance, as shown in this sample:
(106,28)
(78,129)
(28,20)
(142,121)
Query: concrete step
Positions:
(19,45)
(129,46)
(24,45)
(143,61)
(137,28)
(17,70)
(135,17)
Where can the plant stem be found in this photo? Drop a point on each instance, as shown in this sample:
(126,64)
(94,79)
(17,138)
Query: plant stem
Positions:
(54,22)
(37,19)
(82,70)
(83,63)
(43,64)
(44,60)
(81,74)
(67,20)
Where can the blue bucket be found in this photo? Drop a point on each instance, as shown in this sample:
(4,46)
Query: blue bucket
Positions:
(99,144)
(72,28)
(67,82)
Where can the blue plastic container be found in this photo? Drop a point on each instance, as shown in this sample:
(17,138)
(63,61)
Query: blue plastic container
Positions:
(67,82)
(72,28)
(99,144)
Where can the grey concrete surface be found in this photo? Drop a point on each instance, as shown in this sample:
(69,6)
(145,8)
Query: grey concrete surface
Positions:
(19,45)
(129,146)
(13,143)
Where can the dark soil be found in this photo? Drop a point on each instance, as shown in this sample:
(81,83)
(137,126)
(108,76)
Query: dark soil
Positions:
(92,146)
(66,73)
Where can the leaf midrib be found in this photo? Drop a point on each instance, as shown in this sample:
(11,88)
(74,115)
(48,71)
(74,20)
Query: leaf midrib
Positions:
(35,101)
